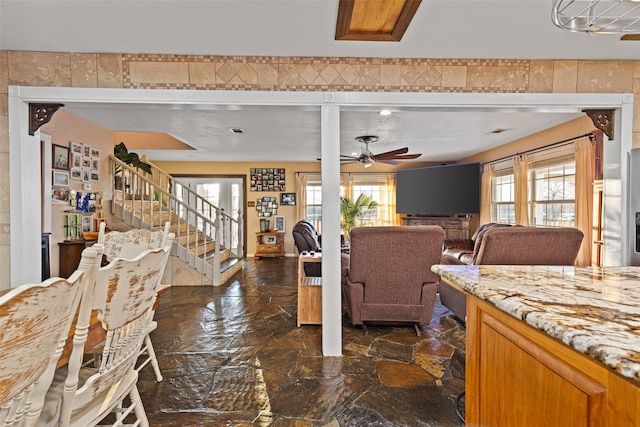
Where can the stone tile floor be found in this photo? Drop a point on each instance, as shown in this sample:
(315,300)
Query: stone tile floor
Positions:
(233,356)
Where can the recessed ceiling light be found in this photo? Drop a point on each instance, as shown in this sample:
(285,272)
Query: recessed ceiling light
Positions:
(354,153)
(385,112)
(237,131)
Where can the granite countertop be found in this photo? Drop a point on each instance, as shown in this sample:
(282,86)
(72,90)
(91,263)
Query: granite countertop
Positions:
(594,310)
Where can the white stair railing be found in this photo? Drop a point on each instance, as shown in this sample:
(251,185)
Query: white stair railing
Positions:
(147,201)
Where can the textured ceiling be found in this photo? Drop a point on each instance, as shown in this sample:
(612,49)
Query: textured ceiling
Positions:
(496,29)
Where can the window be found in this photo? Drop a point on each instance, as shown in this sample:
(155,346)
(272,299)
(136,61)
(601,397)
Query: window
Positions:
(314,204)
(502,198)
(552,175)
(380,187)
(378,191)
(554,194)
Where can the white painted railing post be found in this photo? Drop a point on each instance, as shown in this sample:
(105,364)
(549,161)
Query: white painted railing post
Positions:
(240,247)
(216,255)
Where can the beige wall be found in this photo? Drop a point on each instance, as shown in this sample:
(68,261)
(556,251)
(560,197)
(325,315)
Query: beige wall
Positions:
(65,128)
(297,73)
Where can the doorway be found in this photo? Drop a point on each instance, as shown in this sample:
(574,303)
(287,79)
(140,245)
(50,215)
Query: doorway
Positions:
(227,193)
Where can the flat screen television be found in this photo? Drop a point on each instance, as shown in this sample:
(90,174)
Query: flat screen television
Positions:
(439,190)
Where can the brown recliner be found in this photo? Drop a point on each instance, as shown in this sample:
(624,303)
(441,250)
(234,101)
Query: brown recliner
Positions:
(513,246)
(389,277)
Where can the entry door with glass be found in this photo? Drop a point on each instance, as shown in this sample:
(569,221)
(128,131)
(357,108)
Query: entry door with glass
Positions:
(225,193)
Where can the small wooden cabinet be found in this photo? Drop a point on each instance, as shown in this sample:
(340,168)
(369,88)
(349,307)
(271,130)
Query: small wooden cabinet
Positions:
(270,243)
(70,252)
(309,293)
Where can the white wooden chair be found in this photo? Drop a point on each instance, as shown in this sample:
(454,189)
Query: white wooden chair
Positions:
(35,320)
(129,245)
(124,294)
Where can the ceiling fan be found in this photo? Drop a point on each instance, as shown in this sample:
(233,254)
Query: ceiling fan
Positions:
(367,158)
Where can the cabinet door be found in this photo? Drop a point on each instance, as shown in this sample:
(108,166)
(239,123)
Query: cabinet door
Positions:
(519,376)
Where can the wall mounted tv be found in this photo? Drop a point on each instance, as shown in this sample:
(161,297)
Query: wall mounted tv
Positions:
(439,190)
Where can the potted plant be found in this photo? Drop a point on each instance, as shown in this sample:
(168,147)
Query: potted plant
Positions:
(121,153)
(352,213)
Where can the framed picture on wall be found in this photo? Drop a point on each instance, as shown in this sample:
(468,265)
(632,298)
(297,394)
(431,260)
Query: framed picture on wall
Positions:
(287,199)
(76,148)
(279,224)
(60,179)
(60,157)
(76,173)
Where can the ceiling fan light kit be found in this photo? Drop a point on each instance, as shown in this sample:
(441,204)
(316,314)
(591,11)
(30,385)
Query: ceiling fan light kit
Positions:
(367,158)
(597,16)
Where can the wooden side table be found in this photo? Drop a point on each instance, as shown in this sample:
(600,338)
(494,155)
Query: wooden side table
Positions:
(309,292)
(270,243)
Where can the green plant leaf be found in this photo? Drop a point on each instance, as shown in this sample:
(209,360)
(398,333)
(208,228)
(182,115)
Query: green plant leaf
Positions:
(132,159)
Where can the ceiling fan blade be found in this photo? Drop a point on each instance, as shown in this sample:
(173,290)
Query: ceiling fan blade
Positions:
(348,157)
(391,154)
(407,156)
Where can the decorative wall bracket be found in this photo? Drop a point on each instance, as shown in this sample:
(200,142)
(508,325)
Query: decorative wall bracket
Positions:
(40,114)
(603,120)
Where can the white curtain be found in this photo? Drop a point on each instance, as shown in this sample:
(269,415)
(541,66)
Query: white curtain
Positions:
(485,194)
(585,166)
(346,179)
(521,190)
(392,218)
(301,196)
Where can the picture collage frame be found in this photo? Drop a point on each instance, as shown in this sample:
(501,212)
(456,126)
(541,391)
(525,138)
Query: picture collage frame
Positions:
(267,179)
(267,206)
(85,162)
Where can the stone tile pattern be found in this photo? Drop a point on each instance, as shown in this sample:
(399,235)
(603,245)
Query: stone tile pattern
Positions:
(595,311)
(233,356)
(271,73)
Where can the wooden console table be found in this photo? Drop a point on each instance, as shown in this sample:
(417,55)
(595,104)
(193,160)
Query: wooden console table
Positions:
(270,243)
(454,227)
(309,292)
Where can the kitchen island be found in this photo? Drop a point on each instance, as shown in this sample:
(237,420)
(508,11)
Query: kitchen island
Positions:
(551,346)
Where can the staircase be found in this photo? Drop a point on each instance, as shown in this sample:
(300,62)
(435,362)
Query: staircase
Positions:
(208,240)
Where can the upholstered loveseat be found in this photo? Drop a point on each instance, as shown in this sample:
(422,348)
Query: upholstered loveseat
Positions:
(510,246)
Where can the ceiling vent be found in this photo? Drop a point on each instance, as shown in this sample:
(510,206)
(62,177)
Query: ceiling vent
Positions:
(236,131)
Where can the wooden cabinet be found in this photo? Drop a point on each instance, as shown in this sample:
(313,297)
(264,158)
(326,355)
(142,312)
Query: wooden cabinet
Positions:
(309,293)
(269,244)
(454,227)
(70,252)
(518,376)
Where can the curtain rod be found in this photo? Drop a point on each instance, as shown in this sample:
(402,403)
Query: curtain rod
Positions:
(589,135)
(359,173)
